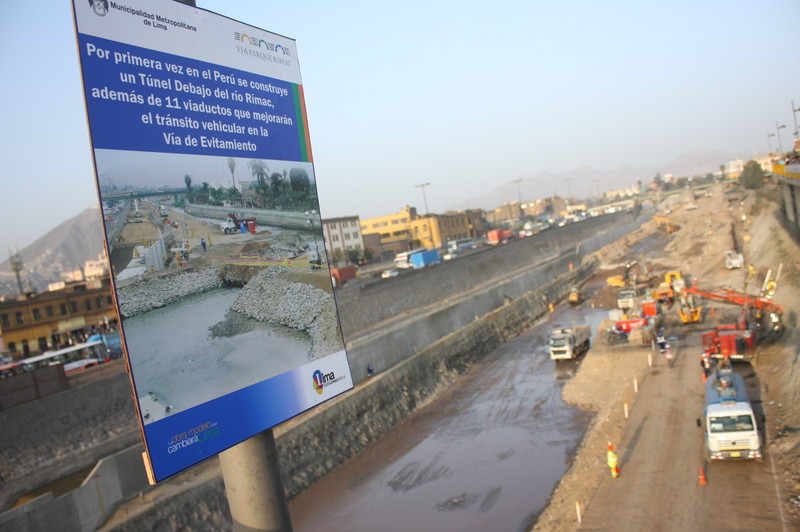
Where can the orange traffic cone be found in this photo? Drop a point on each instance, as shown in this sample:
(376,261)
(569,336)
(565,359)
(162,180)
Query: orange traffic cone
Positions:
(701,478)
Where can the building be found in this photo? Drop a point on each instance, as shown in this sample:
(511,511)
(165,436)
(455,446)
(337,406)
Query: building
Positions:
(33,323)
(509,214)
(394,230)
(342,235)
(407,230)
(734,168)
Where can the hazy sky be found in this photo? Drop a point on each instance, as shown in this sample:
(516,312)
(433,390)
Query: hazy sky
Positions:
(464,95)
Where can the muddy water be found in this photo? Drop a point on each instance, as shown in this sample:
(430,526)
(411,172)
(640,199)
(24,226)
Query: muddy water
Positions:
(173,353)
(485,455)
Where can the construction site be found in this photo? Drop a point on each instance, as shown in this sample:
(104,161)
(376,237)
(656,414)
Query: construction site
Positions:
(673,300)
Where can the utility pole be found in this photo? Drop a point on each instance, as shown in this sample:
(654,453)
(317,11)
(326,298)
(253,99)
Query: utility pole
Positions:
(519,196)
(16,267)
(424,198)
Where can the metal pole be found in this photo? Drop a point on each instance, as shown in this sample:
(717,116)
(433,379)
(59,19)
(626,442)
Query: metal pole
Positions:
(794,117)
(769,143)
(253,484)
(778,131)
(424,198)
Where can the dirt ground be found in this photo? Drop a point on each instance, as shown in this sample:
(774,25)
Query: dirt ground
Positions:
(658,445)
(219,247)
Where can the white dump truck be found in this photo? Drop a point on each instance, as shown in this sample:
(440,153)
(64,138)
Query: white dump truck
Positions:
(570,342)
(730,426)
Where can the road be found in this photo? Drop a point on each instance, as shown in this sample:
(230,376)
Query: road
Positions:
(661,456)
(486,454)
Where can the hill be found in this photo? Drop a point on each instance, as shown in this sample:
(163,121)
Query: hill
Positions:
(61,250)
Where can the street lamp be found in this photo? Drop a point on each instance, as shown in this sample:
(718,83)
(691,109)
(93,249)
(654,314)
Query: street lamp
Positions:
(424,198)
(519,196)
(310,215)
(794,117)
(769,144)
(778,131)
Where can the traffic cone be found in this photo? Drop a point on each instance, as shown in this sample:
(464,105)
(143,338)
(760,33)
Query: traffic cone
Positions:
(701,478)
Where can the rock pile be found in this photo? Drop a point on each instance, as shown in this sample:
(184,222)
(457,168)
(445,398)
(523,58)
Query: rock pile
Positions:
(143,294)
(300,306)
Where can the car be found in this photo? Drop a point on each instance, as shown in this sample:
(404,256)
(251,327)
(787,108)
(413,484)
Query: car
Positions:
(386,274)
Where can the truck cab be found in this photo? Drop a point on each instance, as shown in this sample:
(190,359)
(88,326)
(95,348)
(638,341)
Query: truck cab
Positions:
(730,426)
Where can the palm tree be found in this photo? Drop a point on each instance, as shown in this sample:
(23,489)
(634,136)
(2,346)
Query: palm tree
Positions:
(232,167)
(259,169)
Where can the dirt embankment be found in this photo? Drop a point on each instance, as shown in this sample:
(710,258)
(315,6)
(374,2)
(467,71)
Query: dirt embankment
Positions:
(697,250)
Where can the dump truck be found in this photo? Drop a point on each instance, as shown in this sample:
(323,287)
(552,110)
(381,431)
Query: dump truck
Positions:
(570,342)
(730,426)
(233,224)
(627,299)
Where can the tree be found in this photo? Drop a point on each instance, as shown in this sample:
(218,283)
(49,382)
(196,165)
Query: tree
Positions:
(752,176)
(276,184)
(338,256)
(260,170)
(354,255)
(232,167)
(658,180)
(188,180)
(298,178)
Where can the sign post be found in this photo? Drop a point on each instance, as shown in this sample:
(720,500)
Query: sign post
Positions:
(198,121)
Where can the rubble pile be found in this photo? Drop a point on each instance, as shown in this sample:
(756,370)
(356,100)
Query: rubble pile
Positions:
(145,294)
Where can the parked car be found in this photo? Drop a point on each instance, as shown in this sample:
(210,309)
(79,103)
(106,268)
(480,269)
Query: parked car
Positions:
(390,273)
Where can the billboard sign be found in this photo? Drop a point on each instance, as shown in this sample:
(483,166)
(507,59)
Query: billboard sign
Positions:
(205,175)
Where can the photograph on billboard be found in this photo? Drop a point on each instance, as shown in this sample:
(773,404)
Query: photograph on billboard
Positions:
(211,214)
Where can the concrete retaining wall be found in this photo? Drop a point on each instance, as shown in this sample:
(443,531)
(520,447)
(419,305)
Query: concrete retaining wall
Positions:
(57,435)
(369,304)
(112,481)
(287,219)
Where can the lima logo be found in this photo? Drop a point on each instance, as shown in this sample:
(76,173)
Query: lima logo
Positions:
(321,379)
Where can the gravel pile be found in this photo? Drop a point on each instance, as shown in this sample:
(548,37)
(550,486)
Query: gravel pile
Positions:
(269,298)
(143,294)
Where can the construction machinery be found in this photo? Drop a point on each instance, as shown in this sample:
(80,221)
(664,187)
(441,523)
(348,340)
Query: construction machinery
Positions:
(759,310)
(663,221)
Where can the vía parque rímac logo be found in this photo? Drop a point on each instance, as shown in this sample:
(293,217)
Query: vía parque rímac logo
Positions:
(261,43)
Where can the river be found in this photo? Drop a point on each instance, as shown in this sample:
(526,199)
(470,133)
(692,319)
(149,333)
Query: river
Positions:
(175,358)
(485,455)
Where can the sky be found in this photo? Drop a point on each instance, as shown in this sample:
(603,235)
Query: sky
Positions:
(467,96)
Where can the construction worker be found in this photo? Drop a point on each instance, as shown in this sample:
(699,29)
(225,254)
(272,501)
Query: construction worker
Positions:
(611,460)
(705,362)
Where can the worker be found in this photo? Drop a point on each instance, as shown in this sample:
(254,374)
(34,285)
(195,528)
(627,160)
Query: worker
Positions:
(661,340)
(705,363)
(611,460)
